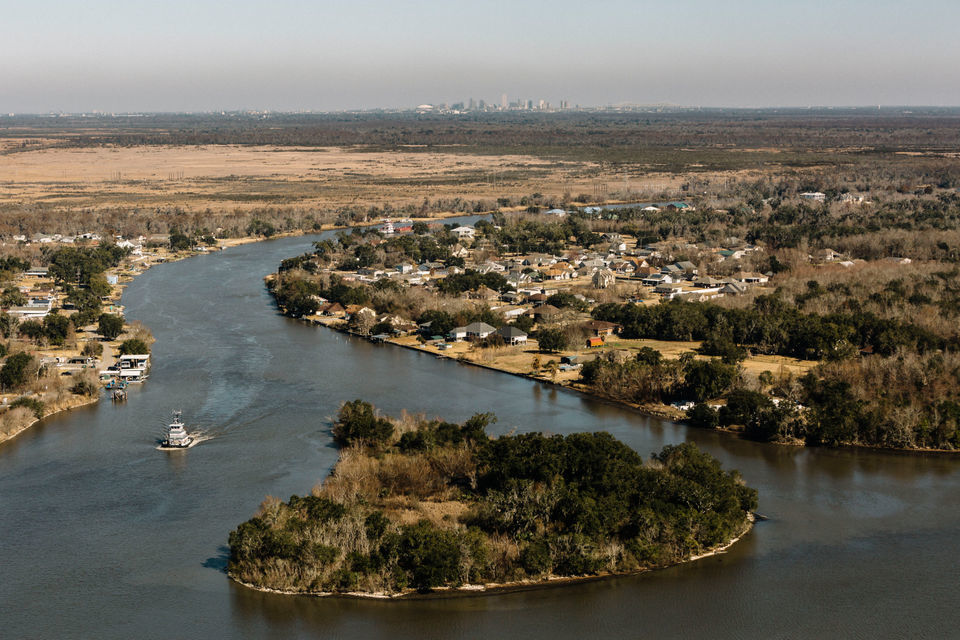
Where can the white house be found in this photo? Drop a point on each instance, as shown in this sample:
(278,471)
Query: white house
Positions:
(656,279)
(465,233)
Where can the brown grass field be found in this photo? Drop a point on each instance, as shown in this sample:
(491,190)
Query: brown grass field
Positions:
(228,177)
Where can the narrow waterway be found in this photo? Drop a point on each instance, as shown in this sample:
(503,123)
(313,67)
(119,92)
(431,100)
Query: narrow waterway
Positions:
(103,536)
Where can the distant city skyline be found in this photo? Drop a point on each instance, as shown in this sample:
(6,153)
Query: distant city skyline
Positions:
(289,56)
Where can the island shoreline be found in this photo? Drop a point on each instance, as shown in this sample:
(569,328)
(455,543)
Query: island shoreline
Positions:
(469,590)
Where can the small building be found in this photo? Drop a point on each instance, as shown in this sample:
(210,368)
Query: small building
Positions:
(601,328)
(668,290)
(603,278)
(332,309)
(478,330)
(512,335)
(464,233)
(815,196)
(138,362)
(657,279)
(28,313)
(556,273)
(544,312)
(747,277)
(734,288)
(594,342)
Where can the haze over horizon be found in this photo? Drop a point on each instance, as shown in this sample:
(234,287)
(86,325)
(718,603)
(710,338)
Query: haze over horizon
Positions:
(284,56)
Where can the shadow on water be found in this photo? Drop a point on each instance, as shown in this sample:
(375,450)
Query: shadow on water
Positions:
(219,561)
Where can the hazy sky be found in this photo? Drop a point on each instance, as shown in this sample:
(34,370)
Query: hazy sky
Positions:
(325,55)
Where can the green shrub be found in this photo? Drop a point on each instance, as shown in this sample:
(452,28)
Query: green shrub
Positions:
(35,405)
(85,388)
(133,346)
(357,422)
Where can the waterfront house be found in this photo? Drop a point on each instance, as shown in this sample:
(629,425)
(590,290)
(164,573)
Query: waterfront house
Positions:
(332,309)
(473,331)
(512,335)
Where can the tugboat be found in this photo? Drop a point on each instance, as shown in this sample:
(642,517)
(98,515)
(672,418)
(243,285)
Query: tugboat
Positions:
(177,436)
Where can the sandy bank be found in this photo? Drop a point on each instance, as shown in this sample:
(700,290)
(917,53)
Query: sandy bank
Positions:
(65,404)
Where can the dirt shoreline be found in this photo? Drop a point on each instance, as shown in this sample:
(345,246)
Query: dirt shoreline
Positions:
(74,403)
(469,590)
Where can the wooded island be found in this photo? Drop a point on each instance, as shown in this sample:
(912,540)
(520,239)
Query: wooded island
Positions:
(415,505)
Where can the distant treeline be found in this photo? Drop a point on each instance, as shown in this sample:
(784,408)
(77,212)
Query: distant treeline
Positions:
(798,129)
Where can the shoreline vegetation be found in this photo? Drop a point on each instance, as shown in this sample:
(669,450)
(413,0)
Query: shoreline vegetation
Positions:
(27,419)
(418,507)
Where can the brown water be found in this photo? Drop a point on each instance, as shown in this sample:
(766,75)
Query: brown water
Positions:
(103,536)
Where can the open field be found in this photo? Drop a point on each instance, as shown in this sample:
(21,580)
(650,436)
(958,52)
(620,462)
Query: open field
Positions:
(230,176)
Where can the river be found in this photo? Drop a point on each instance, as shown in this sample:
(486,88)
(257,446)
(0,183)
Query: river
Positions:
(103,536)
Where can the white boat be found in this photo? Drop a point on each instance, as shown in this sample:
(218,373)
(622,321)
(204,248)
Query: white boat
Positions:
(177,436)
